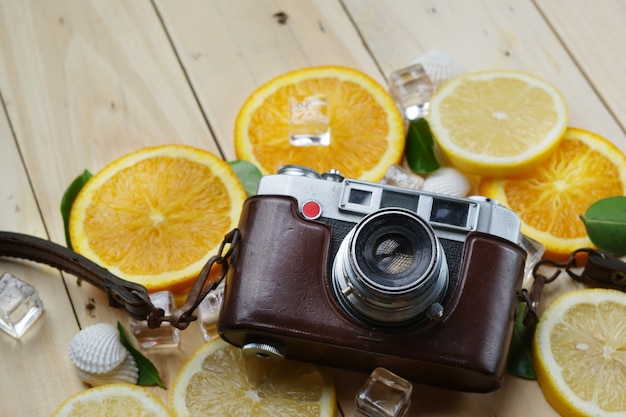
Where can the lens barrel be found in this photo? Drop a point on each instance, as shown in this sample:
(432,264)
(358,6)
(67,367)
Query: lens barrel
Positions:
(391,269)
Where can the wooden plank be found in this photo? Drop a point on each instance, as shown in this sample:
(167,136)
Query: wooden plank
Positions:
(85,82)
(499,34)
(229,48)
(592,32)
(36,365)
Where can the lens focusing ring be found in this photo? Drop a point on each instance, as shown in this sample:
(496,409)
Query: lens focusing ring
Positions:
(390,269)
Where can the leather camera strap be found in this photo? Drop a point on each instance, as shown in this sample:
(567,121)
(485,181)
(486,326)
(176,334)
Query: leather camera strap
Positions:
(600,271)
(130,297)
(604,271)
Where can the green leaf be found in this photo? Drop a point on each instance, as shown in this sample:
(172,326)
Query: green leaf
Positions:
(248,174)
(148,374)
(520,356)
(420,153)
(68,200)
(605,221)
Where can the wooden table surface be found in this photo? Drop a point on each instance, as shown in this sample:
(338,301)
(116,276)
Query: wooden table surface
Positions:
(83,82)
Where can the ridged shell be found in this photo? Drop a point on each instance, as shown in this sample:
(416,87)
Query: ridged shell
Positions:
(440,66)
(447,181)
(402,177)
(126,372)
(97,349)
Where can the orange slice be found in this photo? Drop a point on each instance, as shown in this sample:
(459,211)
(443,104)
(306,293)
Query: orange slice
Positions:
(551,197)
(219,381)
(156,215)
(366,128)
(497,123)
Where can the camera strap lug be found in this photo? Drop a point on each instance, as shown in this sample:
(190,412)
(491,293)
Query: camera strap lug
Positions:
(182,316)
(600,271)
(130,297)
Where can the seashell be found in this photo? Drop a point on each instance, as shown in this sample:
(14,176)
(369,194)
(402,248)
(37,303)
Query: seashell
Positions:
(440,66)
(97,349)
(402,177)
(126,372)
(447,181)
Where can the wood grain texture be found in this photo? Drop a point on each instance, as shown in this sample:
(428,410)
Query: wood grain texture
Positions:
(503,34)
(229,48)
(594,35)
(83,82)
(86,82)
(38,362)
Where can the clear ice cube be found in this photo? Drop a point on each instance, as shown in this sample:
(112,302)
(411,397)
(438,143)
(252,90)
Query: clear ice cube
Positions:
(309,123)
(165,335)
(209,311)
(411,88)
(20,305)
(384,394)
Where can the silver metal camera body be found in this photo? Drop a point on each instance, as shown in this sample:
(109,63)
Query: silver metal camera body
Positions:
(350,200)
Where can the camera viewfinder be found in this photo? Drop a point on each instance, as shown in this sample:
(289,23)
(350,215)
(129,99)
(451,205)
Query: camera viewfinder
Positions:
(361,197)
(402,200)
(449,212)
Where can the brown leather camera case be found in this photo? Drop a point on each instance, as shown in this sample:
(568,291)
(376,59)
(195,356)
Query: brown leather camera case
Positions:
(278,289)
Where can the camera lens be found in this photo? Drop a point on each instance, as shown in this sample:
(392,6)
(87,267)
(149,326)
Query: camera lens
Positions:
(392,254)
(390,269)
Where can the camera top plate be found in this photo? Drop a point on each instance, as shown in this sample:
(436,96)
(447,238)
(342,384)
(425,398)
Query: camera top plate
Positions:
(350,200)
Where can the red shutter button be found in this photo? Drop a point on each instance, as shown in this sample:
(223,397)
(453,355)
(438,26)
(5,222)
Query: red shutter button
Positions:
(311,210)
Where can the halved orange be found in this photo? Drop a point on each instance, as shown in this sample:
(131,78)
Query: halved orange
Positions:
(551,197)
(156,215)
(366,128)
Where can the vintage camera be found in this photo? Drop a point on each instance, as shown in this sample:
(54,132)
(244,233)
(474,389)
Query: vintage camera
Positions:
(360,275)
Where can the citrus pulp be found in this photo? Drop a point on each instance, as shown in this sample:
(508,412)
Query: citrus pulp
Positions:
(497,123)
(366,128)
(156,215)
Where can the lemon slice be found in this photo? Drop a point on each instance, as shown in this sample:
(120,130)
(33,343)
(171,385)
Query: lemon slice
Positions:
(497,123)
(219,381)
(580,353)
(117,400)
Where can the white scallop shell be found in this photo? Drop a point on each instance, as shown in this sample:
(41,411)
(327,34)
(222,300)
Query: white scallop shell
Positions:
(447,181)
(97,349)
(126,372)
(402,177)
